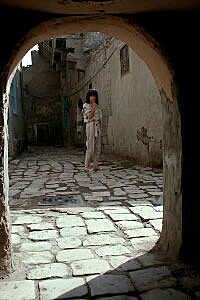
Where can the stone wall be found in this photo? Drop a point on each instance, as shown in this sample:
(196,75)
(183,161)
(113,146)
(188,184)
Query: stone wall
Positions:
(17,135)
(131,105)
(42,101)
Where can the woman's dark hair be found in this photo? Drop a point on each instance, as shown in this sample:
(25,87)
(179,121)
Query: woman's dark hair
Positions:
(80,103)
(92,92)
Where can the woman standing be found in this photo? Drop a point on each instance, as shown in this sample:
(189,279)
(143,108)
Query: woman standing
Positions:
(93,119)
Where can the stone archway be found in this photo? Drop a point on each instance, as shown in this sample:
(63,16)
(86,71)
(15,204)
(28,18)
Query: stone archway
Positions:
(148,50)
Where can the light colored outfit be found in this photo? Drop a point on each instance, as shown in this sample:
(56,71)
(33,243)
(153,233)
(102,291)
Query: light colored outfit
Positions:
(93,134)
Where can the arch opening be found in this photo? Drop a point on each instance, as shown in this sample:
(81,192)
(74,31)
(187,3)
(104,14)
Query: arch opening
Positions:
(163,75)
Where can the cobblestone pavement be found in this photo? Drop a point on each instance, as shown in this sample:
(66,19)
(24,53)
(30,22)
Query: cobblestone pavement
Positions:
(87,236)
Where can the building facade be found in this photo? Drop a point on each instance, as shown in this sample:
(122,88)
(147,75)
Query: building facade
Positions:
(128,95)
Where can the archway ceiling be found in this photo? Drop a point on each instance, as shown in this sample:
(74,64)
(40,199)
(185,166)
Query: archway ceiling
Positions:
(96,6)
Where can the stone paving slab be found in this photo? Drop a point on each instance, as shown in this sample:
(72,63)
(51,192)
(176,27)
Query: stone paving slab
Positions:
(41,226)
(150,259)
(90,266)
(68,242)
(77,210)
(117,198)
(145,202)
(75,254)
(15,238)
(155,193)
(157,224)
(121,297)
(156,201)
(152,278)
(99,225)
(109,284)
(137,196)
(20,290)
(123,217)
(48,271)
(93,198)
(35,258)
(119,192)
(146,243)
(146,212)
(69,221)
(116,210)
(168,294)
(97,187)
(159,208)
(27,220)
(125,225)
(35,246)
(103,239)
(112,250)
(62,288)
(17,229)
(124,263)
(73,231)
(140,232)
(101,194)
(93,215)
(43,235)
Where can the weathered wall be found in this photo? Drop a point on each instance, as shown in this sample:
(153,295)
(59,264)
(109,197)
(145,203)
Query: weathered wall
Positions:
(16,124)
(172,180)
(131,104)
(6,263)
(42,102)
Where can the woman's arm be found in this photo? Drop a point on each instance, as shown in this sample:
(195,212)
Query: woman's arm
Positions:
(93,110)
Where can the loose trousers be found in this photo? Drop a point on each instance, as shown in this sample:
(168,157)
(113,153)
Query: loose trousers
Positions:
(93,144)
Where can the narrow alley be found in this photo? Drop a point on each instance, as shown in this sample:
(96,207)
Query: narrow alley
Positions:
(78,235)
(97,181)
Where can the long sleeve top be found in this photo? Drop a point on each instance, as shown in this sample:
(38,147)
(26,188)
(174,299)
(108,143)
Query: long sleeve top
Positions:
(97,118)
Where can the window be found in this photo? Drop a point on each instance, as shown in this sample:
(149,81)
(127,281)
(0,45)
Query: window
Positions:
(61,43)
(70,50)
(124,60)
(81,74)
(90,86)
